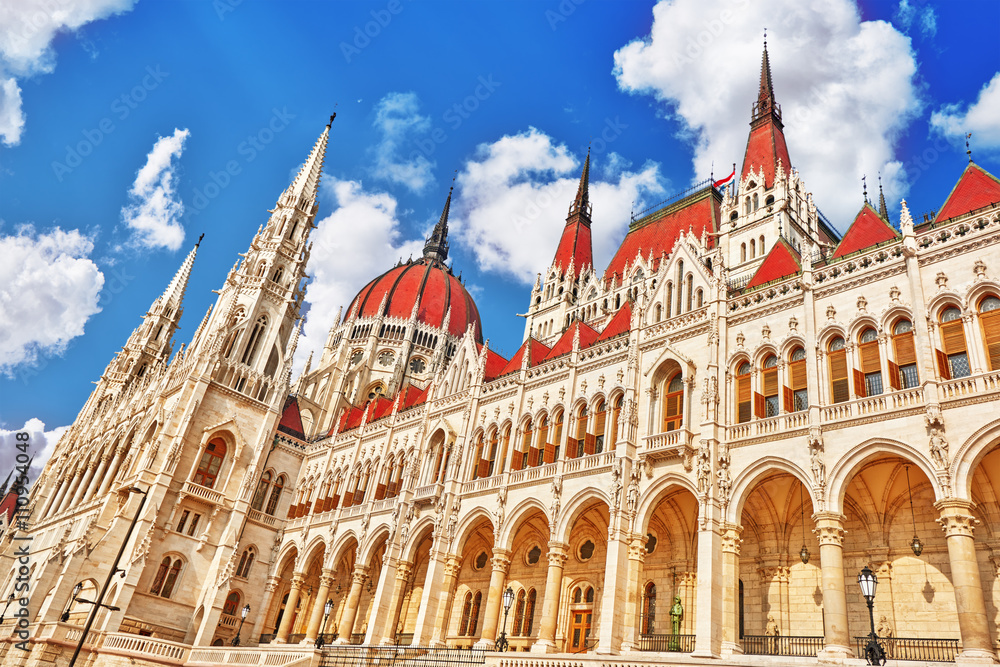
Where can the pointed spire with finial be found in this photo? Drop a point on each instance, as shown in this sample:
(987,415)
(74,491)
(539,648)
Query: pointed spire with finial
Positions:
(968,150)
(864,187)
(765,95)
(582,201)
(882,209)
(173,296)
(436,247)
(306,182)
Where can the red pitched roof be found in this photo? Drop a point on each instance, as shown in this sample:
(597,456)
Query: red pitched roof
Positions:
(868,229)
(658,231)
(764,147)
(781,261)
(494,365)
(351,419)
(565,343)
(413,396)
(976,188)
(575,245)
(381,407)
(535,350)
(8,507)
(291,420)
(619,324)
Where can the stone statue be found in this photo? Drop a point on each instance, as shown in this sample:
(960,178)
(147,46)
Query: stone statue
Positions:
(883,629)
(939,449)
(772,633)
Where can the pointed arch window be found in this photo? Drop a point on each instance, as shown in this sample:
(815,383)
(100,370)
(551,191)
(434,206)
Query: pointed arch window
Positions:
(529,613)
(953,362)
(756,202)
(903,371)
(211,462)
(519,457)
(253,342)
(616,413)
(743,393)
(837,359)
(272,503)
(542,448)
(581,432)
(480,458)
(166,577)
(670,299)
(474,616)
(753,248)
(463,626)
(246,562)
(555,442)
(262,488)
(278,273)
(600,425)
(770,387)
(743,251)
(648,622)
(518,613)
(673,403)
(989,320)
(796,392)
(869,381)
(232,604)
(747,205)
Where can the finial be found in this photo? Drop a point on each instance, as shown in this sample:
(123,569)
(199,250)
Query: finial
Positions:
(199,240)
(968,151)
(864,183)
(765,39)
(882,210)
(332,116)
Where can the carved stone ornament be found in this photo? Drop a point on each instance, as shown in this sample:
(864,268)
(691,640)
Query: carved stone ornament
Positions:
(793,324)
(831,312)
(862,303)
(740,339)
(894,294)
(980,270)
(765,332)
(939,449)
(941,280)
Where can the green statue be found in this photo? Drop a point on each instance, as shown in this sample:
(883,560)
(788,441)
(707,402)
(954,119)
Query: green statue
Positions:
(676,611)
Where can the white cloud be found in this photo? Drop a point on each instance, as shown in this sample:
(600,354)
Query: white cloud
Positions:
(398,120)
(515,193)
(49,288)
(27,28)
(906,13)
(846,87)
(982,118)
(40,443)
(360,240)
(155,209)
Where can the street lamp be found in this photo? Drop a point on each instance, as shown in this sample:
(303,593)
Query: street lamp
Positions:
(10,599)
(804,553)
(915,543)
(508,600)
(327,608)
(114,570)
(243,617)
(874,652)
(65,615)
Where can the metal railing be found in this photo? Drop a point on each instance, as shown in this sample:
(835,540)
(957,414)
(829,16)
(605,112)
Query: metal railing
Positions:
(358,638)
(399,656)
(675,643)
(404,638)
(765,645)
(912,648)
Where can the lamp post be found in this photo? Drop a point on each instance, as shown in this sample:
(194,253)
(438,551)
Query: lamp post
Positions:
(327,608)
(874,652)
(65,615)
(239,630)
(508,600)
(114,570)
(10,599)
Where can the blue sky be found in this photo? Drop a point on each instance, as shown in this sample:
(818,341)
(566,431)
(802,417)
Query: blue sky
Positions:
(118,119)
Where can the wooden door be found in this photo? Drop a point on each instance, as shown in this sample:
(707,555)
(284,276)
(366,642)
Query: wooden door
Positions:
(579,629)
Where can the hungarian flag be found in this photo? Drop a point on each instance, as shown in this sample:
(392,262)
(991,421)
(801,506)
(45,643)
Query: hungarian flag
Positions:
(725,180)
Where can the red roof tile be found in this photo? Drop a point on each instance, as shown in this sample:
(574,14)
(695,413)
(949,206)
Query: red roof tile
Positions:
(291,420)
(8,507)
(381,407)
(575,245)
(658,231)
(565,343)
(975,189)
(535,350)
(764,147)
(413,396)
(781,261)
(619,324)
(868,229)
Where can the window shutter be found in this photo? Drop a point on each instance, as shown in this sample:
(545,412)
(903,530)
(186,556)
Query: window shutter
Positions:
(291,512)
(944,370)
(906,352)
(589,444)
(333,501)
(758,405)
(380,492)
(870,362)
(953,336)
(515,460)
(894,375)
(771,382)
(859,384)
(797,370)
(991,335)
(484,467)
(533,457)
(838,376)
(550,451)
(601,419)
(788,398)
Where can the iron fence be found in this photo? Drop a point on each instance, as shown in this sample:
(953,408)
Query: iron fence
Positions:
(912,648)
(675,643)
(765,645)
(400,656)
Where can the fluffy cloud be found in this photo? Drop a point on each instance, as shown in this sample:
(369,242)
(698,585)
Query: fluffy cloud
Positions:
(514,195)
(48,290)
(41,443)
(907,14)
(27,28)
(982,118)
(398,119)
(155,209)
(352,245)
(846,87)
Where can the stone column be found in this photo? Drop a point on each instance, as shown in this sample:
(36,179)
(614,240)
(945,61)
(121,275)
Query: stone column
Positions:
(346,627)
(836,638)
(110,473)
(58,489)
(491,618)
(313,629)
(636,557)
(81,489)
(383,604)
(404,570)
(95,482)
(958,523)
(731,541)
(452,564)
(707,610)
(70,485)
(610,621)
(298,578)
(429,598)
(558,553)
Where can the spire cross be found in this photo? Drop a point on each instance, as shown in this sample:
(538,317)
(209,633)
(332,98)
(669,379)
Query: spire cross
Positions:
(199,240)
(968,150)
(864,182)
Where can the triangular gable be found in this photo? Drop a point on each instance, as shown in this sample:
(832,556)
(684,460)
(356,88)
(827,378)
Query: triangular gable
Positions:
(413,396)
(8,507)
(619,324)
(381,407)
(975,189)
(565,343)
(765,148)
(781,261)
(535,350)
(291,419)
(494,363)
(868,229)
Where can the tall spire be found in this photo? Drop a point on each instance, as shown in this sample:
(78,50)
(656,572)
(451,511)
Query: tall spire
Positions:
(882,210)
(582,201)
(306,181)
(575,250)
(765,96)
(173,296)
(766,146)
(436,247)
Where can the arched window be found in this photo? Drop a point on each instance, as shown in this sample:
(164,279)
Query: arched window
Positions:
(600,425)
(278,273)
(700,298)
(291,233)
(519,458)
(262,488)
(497,452)
(577,595)
(246,561)
(756,202)
(463,627)
(253,342)
(690,292)
(518,613)
(232,604)
(903,371)
(474,616)
(543,441)
(529,613)
(760,244)
(753,248)
(556,439)
(166,577)
(657,313)
(837,358)
(743,252)
(770,387)
(673,403)
(616,413)
(747,205)
(670,299)
(261,268)
(480,459)
(989,320)
(796,393)
(272,503)
(581,433)
(869,382)
(211,461)
(589,597)
(954,361)
(648,622)
(743,393)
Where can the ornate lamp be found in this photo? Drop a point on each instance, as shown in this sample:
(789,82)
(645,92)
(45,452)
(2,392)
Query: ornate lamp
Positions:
(804,552)
(915,543)
(243,617)
(10,599)
(65,615)
(508,600)
(327,608)
(868,582)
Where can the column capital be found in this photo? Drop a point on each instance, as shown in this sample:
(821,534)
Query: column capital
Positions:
(732,538)
(558,554)
(956,517)
(298,578)
(326,578)
(359,575)
(829,528)
(272,583)
(452,564)
(501,560)
(637,547)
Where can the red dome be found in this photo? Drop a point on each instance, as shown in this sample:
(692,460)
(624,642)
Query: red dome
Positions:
(427,282)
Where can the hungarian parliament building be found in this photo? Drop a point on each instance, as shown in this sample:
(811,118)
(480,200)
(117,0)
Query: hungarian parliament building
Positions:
(694,452)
